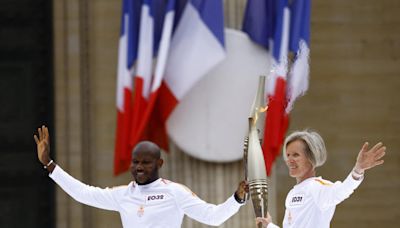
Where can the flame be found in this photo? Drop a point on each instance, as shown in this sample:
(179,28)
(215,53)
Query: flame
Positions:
(259,110)
(264,109)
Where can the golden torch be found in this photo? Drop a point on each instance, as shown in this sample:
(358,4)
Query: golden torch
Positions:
(254,165)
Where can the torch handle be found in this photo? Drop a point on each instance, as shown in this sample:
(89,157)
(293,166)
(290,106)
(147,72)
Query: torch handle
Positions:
(245,164)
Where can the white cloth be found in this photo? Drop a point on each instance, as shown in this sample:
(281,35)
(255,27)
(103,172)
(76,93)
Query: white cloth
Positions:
(312,202)
(161,203)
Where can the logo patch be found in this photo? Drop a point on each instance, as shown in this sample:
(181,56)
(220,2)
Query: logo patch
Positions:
(297,200)
(155,197)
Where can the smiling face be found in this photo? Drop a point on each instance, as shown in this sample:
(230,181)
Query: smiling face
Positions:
(300,166)
(146,162)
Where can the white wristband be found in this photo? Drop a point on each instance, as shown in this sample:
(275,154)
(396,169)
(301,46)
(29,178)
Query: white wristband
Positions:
(356,175)
(48,164)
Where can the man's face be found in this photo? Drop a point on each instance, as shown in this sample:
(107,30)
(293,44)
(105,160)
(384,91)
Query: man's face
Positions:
(144,167)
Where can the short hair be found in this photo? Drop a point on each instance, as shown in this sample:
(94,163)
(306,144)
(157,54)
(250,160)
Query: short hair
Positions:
(315,146)
(149,147)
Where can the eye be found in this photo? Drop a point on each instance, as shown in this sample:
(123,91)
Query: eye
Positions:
(292,155)
(146,162)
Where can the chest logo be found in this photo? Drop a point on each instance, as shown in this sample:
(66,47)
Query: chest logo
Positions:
(155,197)
(297,200)
(140,211)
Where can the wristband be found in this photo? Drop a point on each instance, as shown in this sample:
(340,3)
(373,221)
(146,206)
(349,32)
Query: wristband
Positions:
(357,175)
(48,164)
(238,199)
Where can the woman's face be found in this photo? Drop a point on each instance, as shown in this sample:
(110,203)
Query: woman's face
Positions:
(300,167)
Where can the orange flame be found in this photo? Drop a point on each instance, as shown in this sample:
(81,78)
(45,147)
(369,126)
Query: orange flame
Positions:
(259,110)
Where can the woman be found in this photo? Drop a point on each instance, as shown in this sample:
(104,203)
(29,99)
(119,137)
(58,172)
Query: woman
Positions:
(312,201)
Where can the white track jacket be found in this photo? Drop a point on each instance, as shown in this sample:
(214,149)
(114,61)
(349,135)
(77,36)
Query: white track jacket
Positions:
(312,202)
(161,203)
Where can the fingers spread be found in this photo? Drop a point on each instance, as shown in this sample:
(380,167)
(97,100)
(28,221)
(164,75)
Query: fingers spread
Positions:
(377,146)
(364,148)
(46,132)
(36,139)
(380,153)
(380,162)
(40,134)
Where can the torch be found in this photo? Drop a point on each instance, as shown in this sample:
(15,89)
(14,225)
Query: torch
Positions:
(254,165)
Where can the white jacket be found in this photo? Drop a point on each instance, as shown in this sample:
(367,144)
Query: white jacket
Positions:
(161,203)
(312,202)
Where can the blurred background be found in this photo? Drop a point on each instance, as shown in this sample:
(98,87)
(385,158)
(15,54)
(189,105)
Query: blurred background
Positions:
(58,66)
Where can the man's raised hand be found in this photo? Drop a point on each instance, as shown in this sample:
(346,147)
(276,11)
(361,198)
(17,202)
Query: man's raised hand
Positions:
(43,145)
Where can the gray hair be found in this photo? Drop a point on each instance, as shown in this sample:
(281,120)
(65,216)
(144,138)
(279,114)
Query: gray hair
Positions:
(315,146)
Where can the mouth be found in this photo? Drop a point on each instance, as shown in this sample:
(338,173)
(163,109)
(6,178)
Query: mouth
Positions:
(141,176)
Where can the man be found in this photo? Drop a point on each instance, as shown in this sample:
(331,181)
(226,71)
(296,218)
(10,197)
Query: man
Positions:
(148,201)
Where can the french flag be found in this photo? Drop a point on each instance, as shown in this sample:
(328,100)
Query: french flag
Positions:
(179,41)
(127,55)
(147,124)
(279,27)
(197,46)
(299,44)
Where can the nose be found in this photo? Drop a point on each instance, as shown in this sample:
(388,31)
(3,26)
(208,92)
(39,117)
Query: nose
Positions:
(139,166)
(136,166)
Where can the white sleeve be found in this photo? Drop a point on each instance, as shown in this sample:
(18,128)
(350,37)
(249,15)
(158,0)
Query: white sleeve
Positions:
(327,195)
(199,210)
(89,195)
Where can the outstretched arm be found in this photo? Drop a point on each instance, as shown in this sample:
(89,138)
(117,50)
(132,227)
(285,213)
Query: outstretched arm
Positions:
(43,148)
(210,214)
(368,158)
(332,194)
(89,195)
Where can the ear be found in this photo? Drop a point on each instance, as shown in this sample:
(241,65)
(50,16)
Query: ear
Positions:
(160,162)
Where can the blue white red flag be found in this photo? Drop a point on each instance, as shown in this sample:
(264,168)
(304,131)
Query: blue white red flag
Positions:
(300,45)
(277,25)
(179,41)
(127,54)
(197,46)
